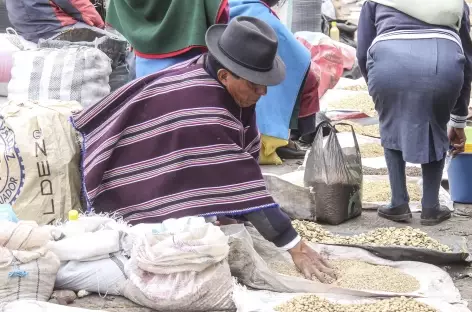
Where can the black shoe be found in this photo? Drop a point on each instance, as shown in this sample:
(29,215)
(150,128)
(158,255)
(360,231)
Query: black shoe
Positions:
(291,151)
(435,216)
(400,213)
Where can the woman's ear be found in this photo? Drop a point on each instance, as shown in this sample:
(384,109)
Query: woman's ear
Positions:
(223,76)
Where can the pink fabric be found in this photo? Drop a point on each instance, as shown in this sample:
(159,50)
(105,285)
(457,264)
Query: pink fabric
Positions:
(6,64)
(327,64)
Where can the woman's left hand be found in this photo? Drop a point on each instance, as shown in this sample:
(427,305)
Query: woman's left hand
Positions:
(310,263)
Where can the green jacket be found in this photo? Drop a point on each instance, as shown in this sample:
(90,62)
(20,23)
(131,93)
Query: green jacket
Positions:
(159,27)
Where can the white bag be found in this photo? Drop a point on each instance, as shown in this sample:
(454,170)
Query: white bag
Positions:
(104,277)
(37,306)
(76,73)
(9,44)
(182,267)
(87,246)
(27,275)
(40,174)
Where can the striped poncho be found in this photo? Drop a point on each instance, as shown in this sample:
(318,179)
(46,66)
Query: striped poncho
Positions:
(172,144)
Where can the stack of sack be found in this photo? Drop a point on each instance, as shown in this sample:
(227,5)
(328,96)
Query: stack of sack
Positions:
(180,265)
(27,268)
(92,254)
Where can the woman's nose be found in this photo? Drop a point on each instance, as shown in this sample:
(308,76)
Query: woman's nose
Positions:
(261,90)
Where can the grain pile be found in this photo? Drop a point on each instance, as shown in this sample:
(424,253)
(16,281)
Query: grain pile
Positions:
(361,101)
(357,87)
(370,130)
(359,275)
(410,171)
(407,237)
(312,303)
(379,191)
(371,150)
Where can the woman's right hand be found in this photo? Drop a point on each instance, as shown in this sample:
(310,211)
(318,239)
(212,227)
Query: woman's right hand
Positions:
(457,138)
(310,263)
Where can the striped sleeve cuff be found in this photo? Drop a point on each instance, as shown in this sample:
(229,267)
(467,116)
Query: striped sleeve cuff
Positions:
(292,244)
(458,121)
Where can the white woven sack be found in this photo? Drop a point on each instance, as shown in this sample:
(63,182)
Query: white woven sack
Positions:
(87,246)
(71,74)
(104,277)
(24,235)
(40,174)
(10,43)
(27,275)
(180,265)
(209,290)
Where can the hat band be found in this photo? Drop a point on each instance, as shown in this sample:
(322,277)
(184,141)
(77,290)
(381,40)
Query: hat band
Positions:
(249,66)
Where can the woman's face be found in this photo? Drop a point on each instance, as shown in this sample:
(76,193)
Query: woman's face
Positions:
(244,93)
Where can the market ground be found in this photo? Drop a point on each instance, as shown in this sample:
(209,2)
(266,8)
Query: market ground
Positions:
(458,226)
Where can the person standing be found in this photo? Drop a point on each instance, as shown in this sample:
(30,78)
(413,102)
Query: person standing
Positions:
(416,57)
(42,19)
(165,32)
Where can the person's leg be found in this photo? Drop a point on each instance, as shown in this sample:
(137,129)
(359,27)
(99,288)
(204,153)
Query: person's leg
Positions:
(432,213)
(397,176)
(398,210)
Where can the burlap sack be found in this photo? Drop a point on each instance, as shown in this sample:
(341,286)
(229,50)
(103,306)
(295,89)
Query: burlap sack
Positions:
(39,160)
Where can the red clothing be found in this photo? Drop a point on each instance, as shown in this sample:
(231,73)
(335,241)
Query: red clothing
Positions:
(35,19)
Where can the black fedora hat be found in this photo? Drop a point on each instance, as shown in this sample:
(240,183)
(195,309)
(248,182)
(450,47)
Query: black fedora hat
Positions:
(247,47)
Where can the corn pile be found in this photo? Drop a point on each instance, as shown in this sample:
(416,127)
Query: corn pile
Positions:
(371,150)
(359,275)
(371,130)
(312,303)
(361,102)
(379,191)
(392,236)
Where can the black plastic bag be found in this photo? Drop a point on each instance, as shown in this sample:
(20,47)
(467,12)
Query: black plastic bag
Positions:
(335,176)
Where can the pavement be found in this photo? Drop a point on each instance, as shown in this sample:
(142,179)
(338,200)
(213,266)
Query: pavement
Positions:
(459,226)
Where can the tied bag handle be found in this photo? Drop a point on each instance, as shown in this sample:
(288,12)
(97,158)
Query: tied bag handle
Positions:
(14,38)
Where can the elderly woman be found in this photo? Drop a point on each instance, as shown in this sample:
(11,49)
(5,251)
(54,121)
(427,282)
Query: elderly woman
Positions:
(184,141)
(291,105)
(416,58)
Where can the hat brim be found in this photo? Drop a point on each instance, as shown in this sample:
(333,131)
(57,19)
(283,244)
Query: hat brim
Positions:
(272,77)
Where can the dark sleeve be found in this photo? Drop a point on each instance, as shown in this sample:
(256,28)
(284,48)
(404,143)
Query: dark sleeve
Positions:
(366,33)
(274,225)
(461,109)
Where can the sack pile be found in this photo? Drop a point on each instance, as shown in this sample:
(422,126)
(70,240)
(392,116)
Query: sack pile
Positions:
(40,172)
(181,265)
(92,255)
(70,74)
(27,269)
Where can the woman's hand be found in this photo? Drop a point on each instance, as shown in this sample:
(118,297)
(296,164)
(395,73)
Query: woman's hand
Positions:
(310,263)
(457,139)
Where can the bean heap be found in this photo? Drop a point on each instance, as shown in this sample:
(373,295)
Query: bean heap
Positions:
(407,237)
(312,303)
(359,275)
